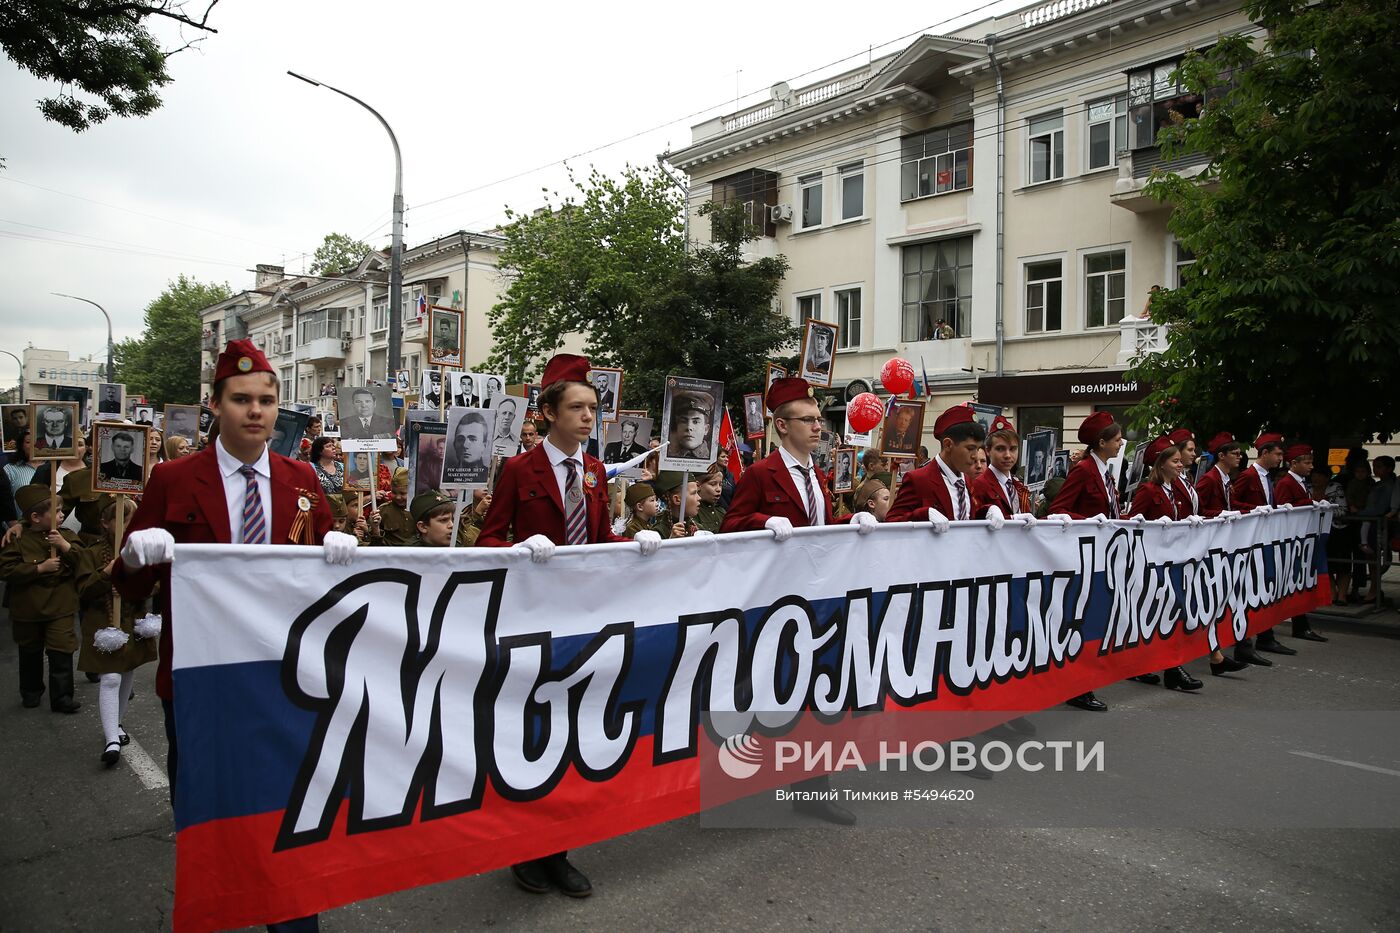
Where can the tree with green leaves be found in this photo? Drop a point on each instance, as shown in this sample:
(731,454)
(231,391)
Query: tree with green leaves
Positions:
(1289,317)
(337,254)
(102,49)
(609,264)
(163,363)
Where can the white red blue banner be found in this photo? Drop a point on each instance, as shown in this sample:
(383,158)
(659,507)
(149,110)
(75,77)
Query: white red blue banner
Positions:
(421,715)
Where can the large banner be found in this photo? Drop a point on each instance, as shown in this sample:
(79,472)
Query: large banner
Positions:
(420,715)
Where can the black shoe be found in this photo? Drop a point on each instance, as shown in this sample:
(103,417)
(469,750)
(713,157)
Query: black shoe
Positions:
(825,810)
(1245,652)
(1020,725)
(531,876)
(1227,666)
(1087,701)
(1178,679)
(564,876)
(1152,679)
(122,737)
(1274,647)
(111,753)
(1308,634)
(30,700)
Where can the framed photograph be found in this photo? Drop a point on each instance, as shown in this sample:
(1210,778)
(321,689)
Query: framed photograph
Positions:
(206,419)
(144,414)
(119,452)
(56,424)
(402,381)
(1059,466)
(182,421)
(1203,466)
(466,461)
(489,386)
(429,391)
(608,382)
(755,420)
(14,421)
(509,412)
(822,455)
(359,471)
(985,414)
(367,420)
(461,391)
(111,401)
(904,428)
(690,412)
(1037,452)
(627,437)
(818,351)
(445,347)
(288,431)
(78,394)
(857,438)
(532,399)
(772,374)
(1135,469)
(424,445)
(843,469)
(330,426)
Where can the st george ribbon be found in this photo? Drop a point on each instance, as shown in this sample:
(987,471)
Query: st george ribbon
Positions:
(426,714)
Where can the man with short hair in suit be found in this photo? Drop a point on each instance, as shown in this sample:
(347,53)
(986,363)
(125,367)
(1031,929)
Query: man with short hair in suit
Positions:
(1254,489)
(54,433)
(1291,490)
(364,422)
(121,465)
(627,448)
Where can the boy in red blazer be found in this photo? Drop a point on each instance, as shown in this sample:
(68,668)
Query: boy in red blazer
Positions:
(235,491)
(939,491)
(996,486)
(1185,442)
(1292,490)
(1254,489)
(1213,491)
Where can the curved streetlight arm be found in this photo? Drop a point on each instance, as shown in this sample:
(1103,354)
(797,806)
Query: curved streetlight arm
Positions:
(111,370)
(21,372)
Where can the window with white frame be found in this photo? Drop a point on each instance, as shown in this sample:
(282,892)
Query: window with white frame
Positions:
(848,316)
(1158,98)
(413,373)
(808,307)
(1105,288)
(1047,147)
(936,162)
(852,190)
(381,315)
(286,379)
(937,289)
(1045,293)
(1107,130)
(811,199)
(1182,260)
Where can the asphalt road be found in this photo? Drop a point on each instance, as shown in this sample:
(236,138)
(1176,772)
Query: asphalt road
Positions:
(84,848)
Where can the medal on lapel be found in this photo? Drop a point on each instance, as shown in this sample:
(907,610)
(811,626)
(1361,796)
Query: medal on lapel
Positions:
(301,531)
(590,479)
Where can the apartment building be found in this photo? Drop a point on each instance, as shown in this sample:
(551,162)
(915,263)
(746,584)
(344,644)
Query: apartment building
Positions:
(333,331)
(987,185)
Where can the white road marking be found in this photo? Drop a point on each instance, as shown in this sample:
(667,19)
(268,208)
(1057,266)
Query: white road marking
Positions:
(144,766)
(1349,764)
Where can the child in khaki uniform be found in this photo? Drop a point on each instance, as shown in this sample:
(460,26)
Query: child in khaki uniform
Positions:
(43,595)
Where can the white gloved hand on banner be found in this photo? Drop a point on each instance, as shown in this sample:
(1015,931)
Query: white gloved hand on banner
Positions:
(1230,515)
(648,540)
(781,527)
(995,520)
(864,522)
(1139,518)
(1195,521)
(1026,518)
(539,547)
(338,547)
(1061,519)
(939,521)
(1285,507)
(1099,519)
(1163,519)
(702,533)
(148,547)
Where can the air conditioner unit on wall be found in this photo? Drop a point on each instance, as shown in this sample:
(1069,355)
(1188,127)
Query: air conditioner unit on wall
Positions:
(780,213)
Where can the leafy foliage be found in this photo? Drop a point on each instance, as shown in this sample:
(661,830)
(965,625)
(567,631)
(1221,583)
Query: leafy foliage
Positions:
(163,363)
(338,252)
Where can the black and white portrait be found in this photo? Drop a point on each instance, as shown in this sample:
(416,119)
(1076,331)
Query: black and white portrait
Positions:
(818,350)
(608,382)
(985,414)
(509,412)
(445,347)
(461,391)
(287,431)
(626,438)
(429,391)
(843,469)
(1037,451)
(691,414)
(206,418)
(182,421)
(402,381)
(467,459)
(532,397)
(15,420)
(773,373)
(1136,468)
(55,427)
(427,440)
(754,420)
(111,400)
(120,456)
(144,414)
(367,420)
(489,387)
(1059,467)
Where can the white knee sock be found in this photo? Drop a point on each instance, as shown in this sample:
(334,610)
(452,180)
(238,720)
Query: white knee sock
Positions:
(124,695)
(107,703)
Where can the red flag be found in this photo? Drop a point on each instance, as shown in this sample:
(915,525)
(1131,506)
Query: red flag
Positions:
(730,442)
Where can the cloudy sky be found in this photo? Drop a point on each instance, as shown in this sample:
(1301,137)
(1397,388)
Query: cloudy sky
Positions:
(244,164)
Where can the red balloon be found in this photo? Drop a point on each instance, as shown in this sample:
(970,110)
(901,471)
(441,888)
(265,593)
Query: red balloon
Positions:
(897,376)
(864,412)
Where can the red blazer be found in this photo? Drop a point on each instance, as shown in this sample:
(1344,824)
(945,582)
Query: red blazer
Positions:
(1288,490)
(1186,495)
(1211,491)
(526,502)
(924,489)
(988,491)
(186,498)
(1247,491)
(767,489)
(1083,495)
(1151,501)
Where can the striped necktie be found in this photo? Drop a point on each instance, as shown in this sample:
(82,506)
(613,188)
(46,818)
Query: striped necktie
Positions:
(811,496)
(576,512)
(254,524)
(962,499)
(1111,493)
(1011,498)
(1227,492)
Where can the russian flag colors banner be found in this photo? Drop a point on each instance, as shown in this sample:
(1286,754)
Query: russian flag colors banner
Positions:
(421,715)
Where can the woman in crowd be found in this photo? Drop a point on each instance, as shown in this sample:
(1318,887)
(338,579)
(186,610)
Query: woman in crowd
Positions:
(325,460)
(177,447)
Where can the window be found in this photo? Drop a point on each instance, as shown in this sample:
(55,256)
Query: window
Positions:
(811,187)
(808,307)
(318,324)
(1156,99)
(1104,288)
(1035,417)
(848,316)
(1045,290)
(1108,130)
(381,315)
(1047,147)
(852,191)
(936,162)
(287,340)
(286,379)
(1183,259)
(413,373)
(757,190)
(937,288)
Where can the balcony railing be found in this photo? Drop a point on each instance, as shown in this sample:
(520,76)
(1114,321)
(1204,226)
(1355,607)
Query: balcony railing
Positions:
(1139,337)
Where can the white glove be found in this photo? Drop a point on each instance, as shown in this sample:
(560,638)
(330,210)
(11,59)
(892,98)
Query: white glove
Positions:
(1139,518)
(1163,520)
(338,547)
(864,522)
(1026,518)
(995,519)
(1061,519)
(939,521)
(649,541)
(146,547)
(781,527)
(702,533)
(1099,519)
(540,548)
(1195,521)
(1285,507)
(1229,515)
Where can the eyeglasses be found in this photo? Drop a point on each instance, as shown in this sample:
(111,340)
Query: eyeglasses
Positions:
(809,420)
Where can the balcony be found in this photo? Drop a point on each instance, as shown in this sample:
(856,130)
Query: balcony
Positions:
(1139,337)
(206,374)
(1134,168)
(209,341)
(323,350)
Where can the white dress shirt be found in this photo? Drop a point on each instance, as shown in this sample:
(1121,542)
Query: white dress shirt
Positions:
(950,479)
(236,488)
(795,468)
(1112,494)
(1225,482)
(1264,480)
(561,472)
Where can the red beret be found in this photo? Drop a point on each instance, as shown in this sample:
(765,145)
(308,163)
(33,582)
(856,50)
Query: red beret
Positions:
(1093,426)
(240,358)
(1295,451)
(1158,447)
(787,390)
(1180,436)
(1220,440)
(1002,423)
(958,414)
(1267,438)
(565,367)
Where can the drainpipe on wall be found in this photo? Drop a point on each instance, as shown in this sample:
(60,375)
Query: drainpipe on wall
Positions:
(1001,202)
(466,242)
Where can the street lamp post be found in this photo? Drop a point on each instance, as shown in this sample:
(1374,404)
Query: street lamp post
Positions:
(391,364)
(111,368)
(21,372)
